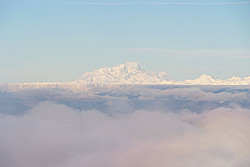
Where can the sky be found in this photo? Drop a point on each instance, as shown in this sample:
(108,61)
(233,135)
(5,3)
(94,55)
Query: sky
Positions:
(59,40)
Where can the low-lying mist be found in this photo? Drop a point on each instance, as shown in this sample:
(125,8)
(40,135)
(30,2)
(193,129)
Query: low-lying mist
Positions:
(151,127)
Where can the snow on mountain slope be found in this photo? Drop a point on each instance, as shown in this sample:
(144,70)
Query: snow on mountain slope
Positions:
(128,73)
(203,79)
(133,73)
(209,80)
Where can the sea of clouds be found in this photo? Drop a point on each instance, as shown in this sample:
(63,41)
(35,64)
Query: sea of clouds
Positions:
(52,133)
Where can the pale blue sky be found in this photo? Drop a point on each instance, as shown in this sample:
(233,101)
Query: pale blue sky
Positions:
(58,40)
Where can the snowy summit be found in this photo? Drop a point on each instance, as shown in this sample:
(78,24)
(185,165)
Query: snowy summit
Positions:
(133,73)
(128,73)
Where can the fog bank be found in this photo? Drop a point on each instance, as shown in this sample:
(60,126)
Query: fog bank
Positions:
(55,135)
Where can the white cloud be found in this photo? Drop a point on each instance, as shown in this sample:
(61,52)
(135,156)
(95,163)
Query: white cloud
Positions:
(54,135)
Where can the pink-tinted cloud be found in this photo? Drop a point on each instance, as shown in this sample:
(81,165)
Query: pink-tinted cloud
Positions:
(54,135)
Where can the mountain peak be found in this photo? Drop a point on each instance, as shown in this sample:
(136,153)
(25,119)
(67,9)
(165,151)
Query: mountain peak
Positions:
(127,73)
(132,64)
(202,80)
(235,78)
(204,76)
(133,73)
(130,67)
(205,79)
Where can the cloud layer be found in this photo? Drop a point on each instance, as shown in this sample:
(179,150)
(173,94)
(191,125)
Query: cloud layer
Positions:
(55,135)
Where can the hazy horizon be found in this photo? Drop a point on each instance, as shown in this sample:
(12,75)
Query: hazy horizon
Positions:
(59,40)
(104,68)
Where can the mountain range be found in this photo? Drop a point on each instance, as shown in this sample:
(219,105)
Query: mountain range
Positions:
(130,73)
(133,73)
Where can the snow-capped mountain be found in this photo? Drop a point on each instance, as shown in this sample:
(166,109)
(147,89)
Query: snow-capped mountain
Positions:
(133,73)
(128,73)
(209,80)
(203,79)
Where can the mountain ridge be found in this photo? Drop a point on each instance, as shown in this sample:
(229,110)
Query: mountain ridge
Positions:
(133,73)
(130,73)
